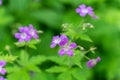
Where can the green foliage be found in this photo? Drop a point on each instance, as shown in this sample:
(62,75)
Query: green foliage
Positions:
(48,15)
(30,44)
(25,65)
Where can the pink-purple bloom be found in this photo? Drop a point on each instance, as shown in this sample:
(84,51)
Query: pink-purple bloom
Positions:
(68,49)
(23,35)
(0,2)
(2,78)
(33,32)
(26,33)
(61,41)
(92,62)
(2,70)
(83,10)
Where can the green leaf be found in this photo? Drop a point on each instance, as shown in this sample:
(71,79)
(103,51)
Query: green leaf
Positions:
(33,68)
(20,44)
(35,60)
(24,57)
(80,74)
(57,69)
(64,60)
(20,75)
(65,76)
(77,58)
(8,58)
(85,37)
(31,46)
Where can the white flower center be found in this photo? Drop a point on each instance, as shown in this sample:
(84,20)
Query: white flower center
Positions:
(0,68)
(23,35)
(32,32)
(85,11)
(57,41)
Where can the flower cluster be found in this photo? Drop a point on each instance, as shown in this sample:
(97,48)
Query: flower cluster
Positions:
(83,11)
(2,70)
(92,62)
(26,33)
(63,42)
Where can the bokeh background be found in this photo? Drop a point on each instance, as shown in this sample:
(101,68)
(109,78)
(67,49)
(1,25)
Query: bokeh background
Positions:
(49,15)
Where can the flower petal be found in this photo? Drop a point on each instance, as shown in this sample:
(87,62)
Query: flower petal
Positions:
(30,26)
(64,40)
(2,63)
(21,29)
(78,10)
(17,35)
(52,45)
(98,59)
(72,45)
(91,63)
(83,14)
(3,71)
(82,6)
(28,38)
(62,52)
(70,52)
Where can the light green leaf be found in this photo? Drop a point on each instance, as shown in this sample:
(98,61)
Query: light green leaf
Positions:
(57,69)
(85,37)
(65,76)
(80,74)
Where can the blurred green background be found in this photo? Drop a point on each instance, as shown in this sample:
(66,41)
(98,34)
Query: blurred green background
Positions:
(49,15)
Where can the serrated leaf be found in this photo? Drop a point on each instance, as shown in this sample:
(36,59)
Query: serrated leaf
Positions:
(85,37)
(19,75)
(24,57)
(80,74)
(8,58)
(33,68)
(64,60)
(31,46)
(20,44)
(57,69)
(65,76)
(35,60)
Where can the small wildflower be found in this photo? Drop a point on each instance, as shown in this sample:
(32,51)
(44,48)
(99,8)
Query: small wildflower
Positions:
(68,49)
(61,41)
(83,11)
(2,78)
(0,2)
(33,32)
(2,70)
(92,62)
(23,35)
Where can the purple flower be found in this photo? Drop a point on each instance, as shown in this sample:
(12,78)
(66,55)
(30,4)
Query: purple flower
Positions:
(33,32)
(61,41)
(68,49)
(0,2)
(2,78)
(2,70)
(92,62)
(83,11)
(23,35)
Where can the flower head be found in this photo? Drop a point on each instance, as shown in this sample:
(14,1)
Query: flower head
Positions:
(2,78)
(83,11)
(23,35)
(68,49)
(61,41)
(2,70)
(92,62)
(33,32)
